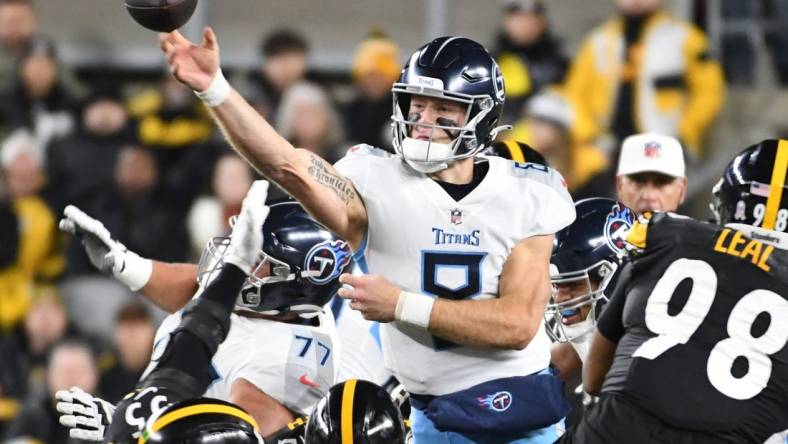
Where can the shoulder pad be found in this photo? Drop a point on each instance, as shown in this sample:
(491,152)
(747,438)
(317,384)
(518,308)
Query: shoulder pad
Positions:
(364,149)
(538,172)
(637,236)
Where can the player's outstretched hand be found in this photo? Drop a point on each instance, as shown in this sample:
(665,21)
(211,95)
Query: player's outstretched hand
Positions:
(87,417)
(373,295)
(246,240)
(193,65)
(105,253)
(99,245)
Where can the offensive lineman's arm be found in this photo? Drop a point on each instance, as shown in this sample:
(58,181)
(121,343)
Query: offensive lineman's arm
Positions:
(511,320)
(564,357)
(600,358)
(326,194)
(171,286)
(168,285)
(609,330)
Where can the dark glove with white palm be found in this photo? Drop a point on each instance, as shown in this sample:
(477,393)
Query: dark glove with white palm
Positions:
(105,253)
(86,416)
(246,240)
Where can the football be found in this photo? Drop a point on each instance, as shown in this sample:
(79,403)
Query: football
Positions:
(161,15)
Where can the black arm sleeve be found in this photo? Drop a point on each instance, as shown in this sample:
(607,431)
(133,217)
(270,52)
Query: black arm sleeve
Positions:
(205,323)
(184,370)
(610,323)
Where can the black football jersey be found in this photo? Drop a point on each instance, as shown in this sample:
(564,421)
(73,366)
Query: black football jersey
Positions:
(700,316)
(164,386)
(133,411)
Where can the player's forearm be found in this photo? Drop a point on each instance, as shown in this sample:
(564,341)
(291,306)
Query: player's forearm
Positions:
(171,286)
(205,323)
(327,195)
(599,360)
(484,323)
(565,359)
(511,320)
(254,138)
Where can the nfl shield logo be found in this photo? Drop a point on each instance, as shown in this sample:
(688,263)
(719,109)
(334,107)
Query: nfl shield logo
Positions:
(652,150)
(456,216)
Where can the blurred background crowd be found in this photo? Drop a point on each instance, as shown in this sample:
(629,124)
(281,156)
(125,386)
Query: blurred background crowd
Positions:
(111,132)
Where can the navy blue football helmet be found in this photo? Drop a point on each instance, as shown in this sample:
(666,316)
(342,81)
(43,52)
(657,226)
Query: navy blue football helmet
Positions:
(742,194)
(585,258)
(456,69)
(300,264)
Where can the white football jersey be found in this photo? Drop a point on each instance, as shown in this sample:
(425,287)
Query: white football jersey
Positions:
(292,363)
(362,357)
(424,241)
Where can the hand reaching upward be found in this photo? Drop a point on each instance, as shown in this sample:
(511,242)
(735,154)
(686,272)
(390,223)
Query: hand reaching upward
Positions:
(193,65)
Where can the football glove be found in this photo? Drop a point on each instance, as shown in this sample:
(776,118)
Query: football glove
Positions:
(246,240)
(87,417)
(105,253)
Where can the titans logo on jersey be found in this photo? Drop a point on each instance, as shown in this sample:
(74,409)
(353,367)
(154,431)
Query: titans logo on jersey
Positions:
(497,402)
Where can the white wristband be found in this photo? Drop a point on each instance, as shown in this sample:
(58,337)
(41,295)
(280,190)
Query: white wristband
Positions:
(217,92)
(414,308)
(136,270)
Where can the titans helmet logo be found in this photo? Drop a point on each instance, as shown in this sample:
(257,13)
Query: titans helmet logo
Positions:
(328,258)
(618,222)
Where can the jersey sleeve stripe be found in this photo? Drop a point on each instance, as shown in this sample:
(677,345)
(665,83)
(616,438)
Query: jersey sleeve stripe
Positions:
(776,188)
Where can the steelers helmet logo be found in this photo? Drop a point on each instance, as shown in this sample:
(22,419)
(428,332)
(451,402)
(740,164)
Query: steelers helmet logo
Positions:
(328,259)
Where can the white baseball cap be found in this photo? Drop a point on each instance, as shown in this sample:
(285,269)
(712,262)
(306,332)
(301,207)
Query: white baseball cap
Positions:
(651,152)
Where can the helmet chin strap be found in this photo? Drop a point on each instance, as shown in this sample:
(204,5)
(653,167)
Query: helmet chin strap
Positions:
(422,149)
(581,333)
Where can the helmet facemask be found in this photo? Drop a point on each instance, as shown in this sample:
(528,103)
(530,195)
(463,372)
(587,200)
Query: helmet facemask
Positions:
(716,203)
(429,156)
(267,271)
(561,327)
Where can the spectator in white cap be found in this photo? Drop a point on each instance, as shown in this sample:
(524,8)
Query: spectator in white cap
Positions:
(651,173)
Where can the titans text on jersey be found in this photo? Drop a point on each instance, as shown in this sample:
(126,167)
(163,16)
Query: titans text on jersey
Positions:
(444,237)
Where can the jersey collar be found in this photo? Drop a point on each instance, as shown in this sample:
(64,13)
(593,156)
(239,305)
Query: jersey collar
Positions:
(771,237)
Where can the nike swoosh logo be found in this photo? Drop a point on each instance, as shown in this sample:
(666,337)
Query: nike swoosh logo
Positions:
(304,380)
